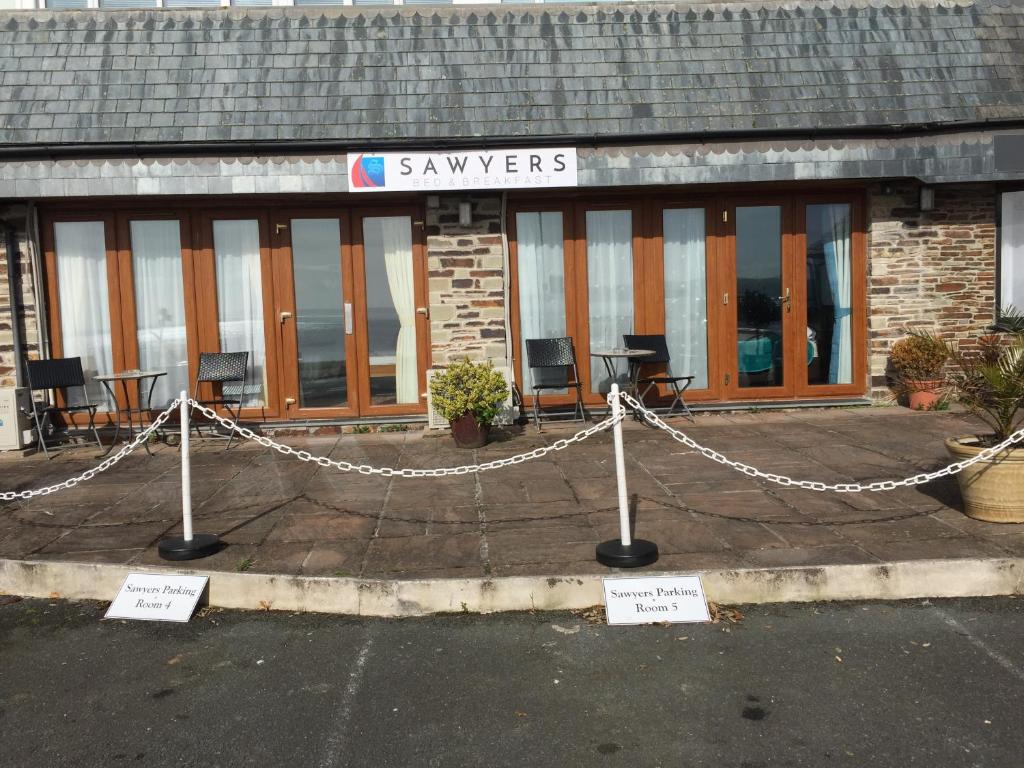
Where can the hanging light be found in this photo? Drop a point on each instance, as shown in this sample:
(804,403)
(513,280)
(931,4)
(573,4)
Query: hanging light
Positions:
(927,199)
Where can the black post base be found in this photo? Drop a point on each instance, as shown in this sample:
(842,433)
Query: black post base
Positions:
(615,554)
(201,545)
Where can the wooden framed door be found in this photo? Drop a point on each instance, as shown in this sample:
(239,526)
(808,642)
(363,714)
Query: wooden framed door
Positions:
(85,307)
(542,267)
(680,282)
(314,299)
(759,332)
(158,309)
(608,284)
(235,298)
(390,310)
(830,293)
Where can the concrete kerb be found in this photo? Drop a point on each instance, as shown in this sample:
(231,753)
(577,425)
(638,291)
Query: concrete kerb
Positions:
(419,597)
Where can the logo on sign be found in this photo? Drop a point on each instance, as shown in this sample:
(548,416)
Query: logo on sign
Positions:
(368,172)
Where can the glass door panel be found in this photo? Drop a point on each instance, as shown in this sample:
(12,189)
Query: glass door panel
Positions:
(609,289)
(160,305)
(83,291)
(390,303)
(540,260)
(320,321)
(236,246)
(686,310)
(829,276)
(760,301)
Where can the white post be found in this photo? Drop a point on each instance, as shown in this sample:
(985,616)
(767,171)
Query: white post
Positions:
(186,471)
(620,466)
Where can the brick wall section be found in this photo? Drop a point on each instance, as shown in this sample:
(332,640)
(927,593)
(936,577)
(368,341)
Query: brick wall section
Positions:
(26,311)
(935,269)
(467,298)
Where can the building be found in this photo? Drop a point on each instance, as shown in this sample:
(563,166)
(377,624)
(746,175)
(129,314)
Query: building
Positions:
(353,195)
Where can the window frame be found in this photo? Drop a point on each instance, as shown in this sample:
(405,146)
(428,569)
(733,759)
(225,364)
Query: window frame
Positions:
(1002,189)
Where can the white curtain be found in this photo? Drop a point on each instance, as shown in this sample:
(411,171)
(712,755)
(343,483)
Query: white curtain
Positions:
(84,304)
(686,319)
(610,288)
(160,307)
(835,223)
(236,245)
(392,235)
(1011,252)
(541,276)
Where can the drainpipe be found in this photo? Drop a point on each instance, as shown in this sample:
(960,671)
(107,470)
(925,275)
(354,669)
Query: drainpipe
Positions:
(11,244)
(507,283)
(32,240)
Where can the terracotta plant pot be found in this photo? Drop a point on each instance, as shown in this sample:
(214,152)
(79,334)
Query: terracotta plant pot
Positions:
(469,434)
(923,395)
(992,490)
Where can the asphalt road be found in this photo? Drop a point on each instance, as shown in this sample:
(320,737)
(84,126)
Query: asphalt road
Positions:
(938,684)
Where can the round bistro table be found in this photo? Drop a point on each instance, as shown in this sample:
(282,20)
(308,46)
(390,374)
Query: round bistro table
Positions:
(609,357)
(124,377)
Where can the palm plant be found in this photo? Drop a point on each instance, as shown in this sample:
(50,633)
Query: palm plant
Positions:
(988,377)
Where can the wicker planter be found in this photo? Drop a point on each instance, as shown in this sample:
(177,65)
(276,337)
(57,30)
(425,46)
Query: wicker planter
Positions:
(469,434)
(923,395)
(992,490)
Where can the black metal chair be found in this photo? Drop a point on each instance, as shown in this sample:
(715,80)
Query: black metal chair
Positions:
(227,372)
(550,361)
(659,356)
(62,374)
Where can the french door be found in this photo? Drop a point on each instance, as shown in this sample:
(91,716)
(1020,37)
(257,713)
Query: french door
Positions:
(757,300)
(758,297)
(351,323)
(792,297)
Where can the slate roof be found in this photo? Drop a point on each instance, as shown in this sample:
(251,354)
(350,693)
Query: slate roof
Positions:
(526,72)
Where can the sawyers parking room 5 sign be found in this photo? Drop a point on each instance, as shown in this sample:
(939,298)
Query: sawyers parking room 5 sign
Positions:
(655,599)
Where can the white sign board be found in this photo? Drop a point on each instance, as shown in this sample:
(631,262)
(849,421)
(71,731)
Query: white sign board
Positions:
(157,597)
(654,599)
(450,171)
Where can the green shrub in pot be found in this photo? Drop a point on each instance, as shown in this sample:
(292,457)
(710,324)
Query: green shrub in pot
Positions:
(470,396)
(918,361)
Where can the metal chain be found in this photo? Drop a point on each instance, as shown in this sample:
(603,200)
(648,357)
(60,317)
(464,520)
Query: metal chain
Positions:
(366,469)
(103,467)
(810,485)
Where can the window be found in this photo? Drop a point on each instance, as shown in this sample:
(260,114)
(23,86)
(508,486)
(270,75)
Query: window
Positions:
(83,302)
(829,295)
(1011,251)
(609,286)
(541,281)
(236,246)
(119,4)
(160,305)
(686,316)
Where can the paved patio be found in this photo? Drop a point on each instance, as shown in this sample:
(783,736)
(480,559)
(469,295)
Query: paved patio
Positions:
(279,515)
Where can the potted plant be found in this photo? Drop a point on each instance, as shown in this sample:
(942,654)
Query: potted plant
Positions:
(918,361)
(470,395)
(988,379)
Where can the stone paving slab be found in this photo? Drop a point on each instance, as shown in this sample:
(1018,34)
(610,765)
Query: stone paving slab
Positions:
(278,515)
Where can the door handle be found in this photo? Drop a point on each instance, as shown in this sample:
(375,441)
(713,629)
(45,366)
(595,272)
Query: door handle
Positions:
(349,330)
(285,316)
(425,311)
(786,300)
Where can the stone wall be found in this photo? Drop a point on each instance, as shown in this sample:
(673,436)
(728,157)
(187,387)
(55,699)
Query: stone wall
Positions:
(15,216)
(467,296)
(934,269)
